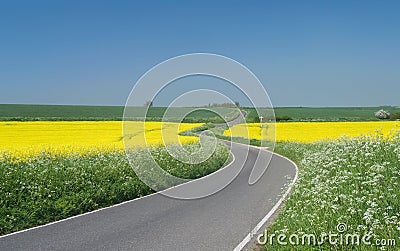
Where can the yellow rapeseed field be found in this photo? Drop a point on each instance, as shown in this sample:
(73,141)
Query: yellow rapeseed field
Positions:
(312,131)
(26,139)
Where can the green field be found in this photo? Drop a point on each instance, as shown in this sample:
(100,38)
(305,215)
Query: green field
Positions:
(19,112)
(74,112)
(325,113)
(59,112)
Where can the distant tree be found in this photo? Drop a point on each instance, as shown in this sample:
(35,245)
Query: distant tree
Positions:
(228,105)
(237,104)
(148,103)
(382,114)
(283,118)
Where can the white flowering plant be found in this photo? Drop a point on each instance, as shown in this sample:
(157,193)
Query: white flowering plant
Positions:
(352,180)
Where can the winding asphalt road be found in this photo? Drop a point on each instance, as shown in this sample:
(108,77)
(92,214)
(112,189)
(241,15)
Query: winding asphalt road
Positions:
(235,121)
(156,222)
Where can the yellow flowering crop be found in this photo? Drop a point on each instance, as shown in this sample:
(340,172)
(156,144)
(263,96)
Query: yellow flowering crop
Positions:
(312,131)
(25,139)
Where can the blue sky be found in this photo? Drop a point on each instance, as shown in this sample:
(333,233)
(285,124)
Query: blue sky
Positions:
(306,53)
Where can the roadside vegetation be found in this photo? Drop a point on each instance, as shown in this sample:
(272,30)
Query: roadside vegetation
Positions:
(51,187)
(349,181)
(196,130)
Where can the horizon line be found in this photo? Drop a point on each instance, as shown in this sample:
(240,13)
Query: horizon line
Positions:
(289,106)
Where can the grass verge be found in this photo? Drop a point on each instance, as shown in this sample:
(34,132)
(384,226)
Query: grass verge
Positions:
(350,181)
(48,188)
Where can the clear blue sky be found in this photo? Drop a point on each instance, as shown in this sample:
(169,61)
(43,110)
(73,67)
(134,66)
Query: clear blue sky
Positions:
(306,53)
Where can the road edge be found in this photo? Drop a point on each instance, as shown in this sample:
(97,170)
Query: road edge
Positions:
(271,212)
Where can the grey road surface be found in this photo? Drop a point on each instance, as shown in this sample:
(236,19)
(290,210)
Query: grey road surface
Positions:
(157,222)
(235,121)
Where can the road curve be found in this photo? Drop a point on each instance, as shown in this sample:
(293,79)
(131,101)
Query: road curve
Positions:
(240,117)
(156,222)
